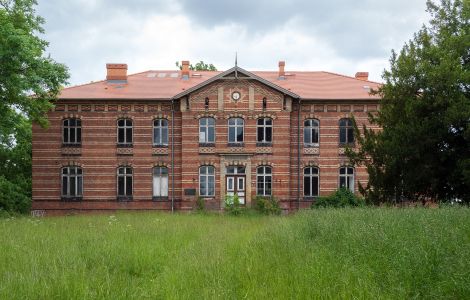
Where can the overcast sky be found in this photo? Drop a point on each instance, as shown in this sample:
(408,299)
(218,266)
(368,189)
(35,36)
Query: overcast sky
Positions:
(342,36)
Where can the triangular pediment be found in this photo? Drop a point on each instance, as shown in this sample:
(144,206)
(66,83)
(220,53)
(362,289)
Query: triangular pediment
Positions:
(236,73)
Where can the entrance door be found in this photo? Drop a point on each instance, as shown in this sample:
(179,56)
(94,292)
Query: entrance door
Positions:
(235,182)
(236,186)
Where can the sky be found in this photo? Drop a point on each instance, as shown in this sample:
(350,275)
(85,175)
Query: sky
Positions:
(341,36)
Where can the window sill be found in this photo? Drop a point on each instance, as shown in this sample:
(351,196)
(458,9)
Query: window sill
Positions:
(124,198)
(311,145)
(347,145)
(159,146)
(71,145)
(310,198)
(159,198)
(236,144)
(206,144)
(124,145)
(72,198)
(264,144)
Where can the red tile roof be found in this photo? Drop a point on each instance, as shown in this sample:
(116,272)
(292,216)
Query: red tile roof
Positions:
(155,85)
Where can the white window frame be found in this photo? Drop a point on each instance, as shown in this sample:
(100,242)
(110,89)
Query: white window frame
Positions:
(160,177)
(314,126)
(265,127)
(125,175)
(349,178)
(69,128)
(310,181)
(77,177)
(236,126)
(206,175)
(160,127)
(263,177)
(204,128)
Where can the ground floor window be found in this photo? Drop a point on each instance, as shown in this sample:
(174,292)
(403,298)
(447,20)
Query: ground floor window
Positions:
(263,181)
(311,182)
(346,178)
(207,181)
(124,181)
(160,182)
(72,182)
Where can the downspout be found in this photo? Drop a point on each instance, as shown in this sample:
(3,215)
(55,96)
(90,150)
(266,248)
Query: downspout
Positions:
(298,156)
(172,155)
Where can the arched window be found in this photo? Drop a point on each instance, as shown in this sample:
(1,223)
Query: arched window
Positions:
(124,183)
(206,181)
(346,178)
(124,131)
(206,130)
(71,131)
(235,130)
(311,132)
(72,182)
(160,182)
(160,132)
(346,131)
(264,180)
(264,130)
(311,182)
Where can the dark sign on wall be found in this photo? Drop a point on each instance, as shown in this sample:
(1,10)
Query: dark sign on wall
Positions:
(190,192)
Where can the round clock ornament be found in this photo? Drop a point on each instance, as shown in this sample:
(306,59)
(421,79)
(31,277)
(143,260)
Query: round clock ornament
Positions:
(236,96)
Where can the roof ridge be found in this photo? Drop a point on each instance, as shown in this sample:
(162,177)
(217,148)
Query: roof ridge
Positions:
(350,77)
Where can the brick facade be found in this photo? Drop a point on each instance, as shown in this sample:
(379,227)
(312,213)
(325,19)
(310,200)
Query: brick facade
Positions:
(99,156)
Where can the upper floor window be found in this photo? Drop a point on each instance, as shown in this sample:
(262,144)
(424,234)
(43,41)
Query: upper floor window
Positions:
(72,182)
(235,130)
(124,182)
(125,131)
(311,132)
(346,131)
(160,132)
(311,182)
(206,103)
(160,182)
(265,130)
(206,130)
(346,178)
(72,131)
(265,103)
(263,181)
(207,181)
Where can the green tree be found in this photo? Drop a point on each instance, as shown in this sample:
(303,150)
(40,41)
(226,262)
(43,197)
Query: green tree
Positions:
(29,83)
(423,149)
(200,66)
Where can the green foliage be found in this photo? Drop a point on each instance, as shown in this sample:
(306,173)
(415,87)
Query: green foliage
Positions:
(12,197)
(200,204)
(200,66)
(362,253)
(267,205)
(232,205)
(423,149)
(341,198)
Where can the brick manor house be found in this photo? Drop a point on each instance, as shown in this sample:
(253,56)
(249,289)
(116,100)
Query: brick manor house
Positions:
(159,140)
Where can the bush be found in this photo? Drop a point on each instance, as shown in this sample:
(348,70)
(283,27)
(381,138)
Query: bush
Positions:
(232,205)
(267,205)
(13,198)
(200,204)
(341,198)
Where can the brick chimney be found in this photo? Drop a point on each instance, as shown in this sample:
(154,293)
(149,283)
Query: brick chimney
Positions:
(282,73)
(116,72)
(362,75)
(185,69)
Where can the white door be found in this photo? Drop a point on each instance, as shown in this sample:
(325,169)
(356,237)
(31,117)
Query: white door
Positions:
(230,185)
(241,189)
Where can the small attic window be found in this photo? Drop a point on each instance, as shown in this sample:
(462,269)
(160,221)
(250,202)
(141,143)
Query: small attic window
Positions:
(151,75)
(196,75)
(174,75)
(161,75)
(264,103)
(206,103)
(366,87)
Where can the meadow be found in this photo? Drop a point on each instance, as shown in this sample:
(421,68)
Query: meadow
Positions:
(366,253)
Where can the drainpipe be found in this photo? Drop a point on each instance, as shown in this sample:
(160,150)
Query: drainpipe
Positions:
(172,155)
(298,157)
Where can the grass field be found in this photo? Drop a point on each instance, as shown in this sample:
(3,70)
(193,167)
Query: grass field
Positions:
(345,253)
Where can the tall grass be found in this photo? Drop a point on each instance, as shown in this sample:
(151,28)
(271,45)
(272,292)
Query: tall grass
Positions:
(344,253)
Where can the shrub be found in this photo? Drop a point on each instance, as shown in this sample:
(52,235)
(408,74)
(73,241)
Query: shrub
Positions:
(13,198)
(267,205)
(341,198)
(200,204)
(232,205)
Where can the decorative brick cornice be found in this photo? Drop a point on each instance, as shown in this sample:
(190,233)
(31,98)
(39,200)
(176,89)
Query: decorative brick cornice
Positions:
(241,163)
(311,150)
(206,150)
(125,116)
(71,116)
(124,163)
(235,115)
(125,151)
(71,151)
(206,115)
(160,164)
(264,163)
(264,115)
(160,151)
(311,116)
(309,163)
(71,163)
(261,150)
(208,162)
(161,116)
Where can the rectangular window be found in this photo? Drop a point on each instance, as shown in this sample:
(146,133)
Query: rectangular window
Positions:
(206,181)
(71,131)
(206,130)
(160,132)
(72,182)
(235,130)
(160,182)
(125,131)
